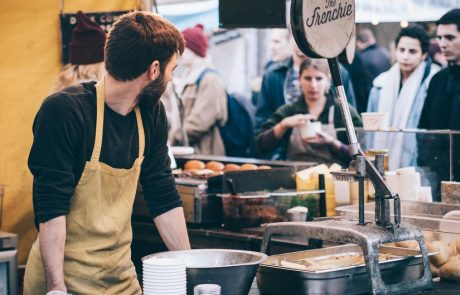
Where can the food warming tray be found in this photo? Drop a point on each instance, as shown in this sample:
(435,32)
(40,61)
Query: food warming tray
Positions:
(272,278)
(427,216)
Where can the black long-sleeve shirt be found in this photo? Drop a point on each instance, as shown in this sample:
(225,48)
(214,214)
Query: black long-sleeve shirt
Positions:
(64,132)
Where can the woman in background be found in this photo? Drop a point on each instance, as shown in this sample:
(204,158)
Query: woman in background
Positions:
(86,55)
(316,103)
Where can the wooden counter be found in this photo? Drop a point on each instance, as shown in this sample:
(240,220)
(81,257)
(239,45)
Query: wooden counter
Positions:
(440,288)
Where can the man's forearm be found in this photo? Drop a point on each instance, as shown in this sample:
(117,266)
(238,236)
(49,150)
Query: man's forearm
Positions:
(52,237)
(172,229)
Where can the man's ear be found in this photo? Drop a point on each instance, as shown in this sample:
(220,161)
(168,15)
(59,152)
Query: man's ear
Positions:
(154,70)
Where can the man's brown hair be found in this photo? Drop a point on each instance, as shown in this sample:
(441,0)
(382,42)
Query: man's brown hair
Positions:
(136,40)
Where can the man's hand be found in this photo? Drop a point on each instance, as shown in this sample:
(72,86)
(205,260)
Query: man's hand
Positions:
(172,229)
(52,237)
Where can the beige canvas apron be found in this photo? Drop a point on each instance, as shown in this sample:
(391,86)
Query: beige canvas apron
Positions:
(97,254)
(300,151)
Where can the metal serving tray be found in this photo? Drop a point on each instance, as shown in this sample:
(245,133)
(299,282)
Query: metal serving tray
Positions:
(274,279)
(427,216)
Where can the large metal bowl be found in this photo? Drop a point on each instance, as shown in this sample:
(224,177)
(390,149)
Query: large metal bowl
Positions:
(233,270)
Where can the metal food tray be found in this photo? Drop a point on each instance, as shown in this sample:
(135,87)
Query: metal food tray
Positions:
(253,181)
(274,279)
(424,215)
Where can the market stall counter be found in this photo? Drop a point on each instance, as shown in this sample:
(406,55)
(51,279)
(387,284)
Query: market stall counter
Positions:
(147,241)
(440,288)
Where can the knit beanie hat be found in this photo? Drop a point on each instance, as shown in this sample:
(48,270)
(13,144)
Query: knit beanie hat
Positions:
(87,43)
(196,40)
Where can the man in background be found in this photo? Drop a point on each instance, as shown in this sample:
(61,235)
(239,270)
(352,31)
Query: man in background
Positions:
(443,99)
(376,59)
(441,108)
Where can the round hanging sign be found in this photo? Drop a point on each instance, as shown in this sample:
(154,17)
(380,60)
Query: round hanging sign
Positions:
(322,28)
(351,47)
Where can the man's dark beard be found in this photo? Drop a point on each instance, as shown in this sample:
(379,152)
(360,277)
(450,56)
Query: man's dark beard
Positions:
(150,95)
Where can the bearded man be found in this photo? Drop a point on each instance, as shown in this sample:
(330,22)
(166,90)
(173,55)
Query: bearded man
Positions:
(92,143)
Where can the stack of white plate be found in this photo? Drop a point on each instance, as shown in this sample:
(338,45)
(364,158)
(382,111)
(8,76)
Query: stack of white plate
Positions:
(164,276)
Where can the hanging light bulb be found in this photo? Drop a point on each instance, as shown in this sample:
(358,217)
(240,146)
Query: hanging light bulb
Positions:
(404,24)
(375,21)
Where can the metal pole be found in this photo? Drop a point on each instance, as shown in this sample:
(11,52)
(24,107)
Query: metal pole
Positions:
(361,200)
(342,97)
(360,165)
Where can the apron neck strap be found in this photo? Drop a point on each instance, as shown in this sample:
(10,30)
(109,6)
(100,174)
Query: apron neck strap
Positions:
(331,115)
(100,98)
(140,130)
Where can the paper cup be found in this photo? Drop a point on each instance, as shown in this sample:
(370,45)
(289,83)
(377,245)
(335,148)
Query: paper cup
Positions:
(310,129)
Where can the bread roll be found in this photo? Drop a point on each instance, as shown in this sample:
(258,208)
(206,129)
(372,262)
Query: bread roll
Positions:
(194,164)
(445,251)
(451,269)
(412,244)
(231,167)
(264,167)
(458,245)
(215,166)
(428,235)
(248,167)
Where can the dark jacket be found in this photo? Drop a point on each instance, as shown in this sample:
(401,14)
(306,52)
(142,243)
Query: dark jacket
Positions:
(442,102)
(300,107)
(376,60)
(442,105)
(361,81)
(271,95)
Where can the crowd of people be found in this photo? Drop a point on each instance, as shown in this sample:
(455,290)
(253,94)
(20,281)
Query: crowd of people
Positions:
(418,91)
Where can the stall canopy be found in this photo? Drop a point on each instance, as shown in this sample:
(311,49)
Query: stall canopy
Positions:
(375,11)
(188,13)
(185,13)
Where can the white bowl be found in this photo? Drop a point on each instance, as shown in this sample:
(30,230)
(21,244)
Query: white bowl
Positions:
(165,286)
(157,278)
(164,292)
(163,262)
(165,269)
